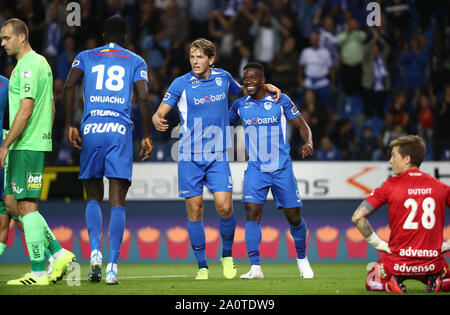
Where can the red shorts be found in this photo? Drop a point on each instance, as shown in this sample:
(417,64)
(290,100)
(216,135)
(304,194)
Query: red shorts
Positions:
(385,267)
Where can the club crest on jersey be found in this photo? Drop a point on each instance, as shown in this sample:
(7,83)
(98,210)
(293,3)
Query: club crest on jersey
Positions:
(26,74)
(267,105)
(219,81)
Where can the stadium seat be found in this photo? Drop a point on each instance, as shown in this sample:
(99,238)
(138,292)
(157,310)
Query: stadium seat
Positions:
(351,106)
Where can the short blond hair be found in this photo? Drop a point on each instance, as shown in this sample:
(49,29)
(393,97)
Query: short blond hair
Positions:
(18,27)
(206,46)
(411,145)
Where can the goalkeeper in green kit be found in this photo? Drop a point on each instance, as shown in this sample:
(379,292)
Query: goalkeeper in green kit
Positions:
(31,112)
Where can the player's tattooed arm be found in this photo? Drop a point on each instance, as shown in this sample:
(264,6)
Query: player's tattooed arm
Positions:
(361,222)
(72,133)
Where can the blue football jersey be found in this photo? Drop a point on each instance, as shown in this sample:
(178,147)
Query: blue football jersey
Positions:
(203,109)
(4,85)
(265,129)
(110,72)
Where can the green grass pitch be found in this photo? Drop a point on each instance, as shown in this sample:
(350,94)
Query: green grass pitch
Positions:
(178,279)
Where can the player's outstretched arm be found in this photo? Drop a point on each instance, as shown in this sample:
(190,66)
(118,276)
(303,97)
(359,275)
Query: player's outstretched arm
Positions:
(146,114)
(73,135)
(361,222)
(158,119)
(307,149)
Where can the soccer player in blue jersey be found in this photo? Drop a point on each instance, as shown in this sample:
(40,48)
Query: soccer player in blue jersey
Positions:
(4,215)
(202,99)
(270,165)
(110,74)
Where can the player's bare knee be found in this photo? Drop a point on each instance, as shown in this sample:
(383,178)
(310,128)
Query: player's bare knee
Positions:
(225,211)
(294,221)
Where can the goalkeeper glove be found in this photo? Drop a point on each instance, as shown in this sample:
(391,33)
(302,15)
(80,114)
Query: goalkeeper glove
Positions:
(378,243)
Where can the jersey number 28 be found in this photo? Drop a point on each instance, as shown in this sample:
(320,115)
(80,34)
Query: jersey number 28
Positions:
(428,217)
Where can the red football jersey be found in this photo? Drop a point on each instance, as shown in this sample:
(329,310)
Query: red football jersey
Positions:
(416,210)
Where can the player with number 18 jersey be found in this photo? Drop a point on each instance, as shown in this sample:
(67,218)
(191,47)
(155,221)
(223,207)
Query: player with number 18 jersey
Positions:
(110,72)
(416,209)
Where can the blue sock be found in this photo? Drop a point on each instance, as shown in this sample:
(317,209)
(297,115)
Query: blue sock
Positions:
(252,240)
(299,235)
(116,228)
(227,228)
(94,223)
(197,236)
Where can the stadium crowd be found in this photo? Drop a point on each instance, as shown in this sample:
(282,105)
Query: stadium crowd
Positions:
(357,87)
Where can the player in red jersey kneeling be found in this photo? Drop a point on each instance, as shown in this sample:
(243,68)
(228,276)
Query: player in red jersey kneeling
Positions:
(416,210)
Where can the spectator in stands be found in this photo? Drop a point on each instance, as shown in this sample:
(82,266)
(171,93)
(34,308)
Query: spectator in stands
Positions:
(243,21)
(320,118)
(89,24)
(351,42)
(308,12)
(376,80)
(267,33)
(198,11)
(52,36)
(367,144)
(390,131)
(327,151)
(414,63)
(442,125)
(344,138)
(283,68)
(328,39)
(220,30)
(176,23)
(423,105)
(65,58)
(316,72)
(399,111)
(229,8)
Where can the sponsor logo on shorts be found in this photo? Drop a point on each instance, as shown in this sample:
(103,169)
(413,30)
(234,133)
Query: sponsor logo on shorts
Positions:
(34,181)
(104,128)
(15,188)
(404,268)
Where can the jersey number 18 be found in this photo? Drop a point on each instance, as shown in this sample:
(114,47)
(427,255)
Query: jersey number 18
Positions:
(114,82)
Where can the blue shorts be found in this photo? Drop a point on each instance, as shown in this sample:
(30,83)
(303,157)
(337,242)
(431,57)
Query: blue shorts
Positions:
(282,183)
(193,175)
(107,149)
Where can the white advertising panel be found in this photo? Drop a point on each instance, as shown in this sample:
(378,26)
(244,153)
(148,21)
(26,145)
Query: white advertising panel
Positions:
(316,180)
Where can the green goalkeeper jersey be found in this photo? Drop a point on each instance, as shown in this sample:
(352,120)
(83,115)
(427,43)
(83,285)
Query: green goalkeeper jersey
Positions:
(32,78)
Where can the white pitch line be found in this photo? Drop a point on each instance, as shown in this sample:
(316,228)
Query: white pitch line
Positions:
(127,278)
